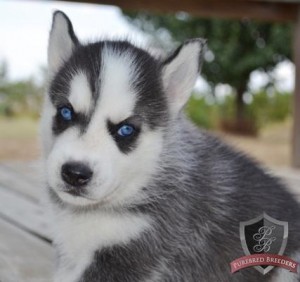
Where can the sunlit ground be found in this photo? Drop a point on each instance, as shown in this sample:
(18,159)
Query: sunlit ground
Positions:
(272,147)
(19,141)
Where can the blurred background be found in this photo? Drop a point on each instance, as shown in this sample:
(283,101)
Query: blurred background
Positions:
(244,94)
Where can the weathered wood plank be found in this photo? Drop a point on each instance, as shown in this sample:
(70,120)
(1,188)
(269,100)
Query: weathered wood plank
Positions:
(259,10)
(23,257)
(28,182)
(24,213)
(31,170)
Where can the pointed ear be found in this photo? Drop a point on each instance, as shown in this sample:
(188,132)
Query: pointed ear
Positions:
(62,41)
(180,72)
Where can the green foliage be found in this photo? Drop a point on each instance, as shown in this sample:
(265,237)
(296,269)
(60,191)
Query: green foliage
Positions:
(235,47)
(270,106)
(238,47)
(201,112)
(266,107)
(19,98)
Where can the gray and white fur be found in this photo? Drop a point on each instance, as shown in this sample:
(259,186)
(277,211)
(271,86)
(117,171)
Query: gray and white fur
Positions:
(161,204)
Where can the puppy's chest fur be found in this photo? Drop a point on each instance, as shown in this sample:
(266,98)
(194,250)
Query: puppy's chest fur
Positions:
(79,236)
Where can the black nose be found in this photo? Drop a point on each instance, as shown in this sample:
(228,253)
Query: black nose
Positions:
(76,174)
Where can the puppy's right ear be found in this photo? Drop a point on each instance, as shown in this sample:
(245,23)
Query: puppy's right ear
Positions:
(62,41)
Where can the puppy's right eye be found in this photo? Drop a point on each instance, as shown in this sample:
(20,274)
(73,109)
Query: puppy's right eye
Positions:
(66,113)
(126,130)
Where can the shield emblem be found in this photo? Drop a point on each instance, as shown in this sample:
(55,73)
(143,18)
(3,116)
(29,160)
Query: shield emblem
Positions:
(264,234)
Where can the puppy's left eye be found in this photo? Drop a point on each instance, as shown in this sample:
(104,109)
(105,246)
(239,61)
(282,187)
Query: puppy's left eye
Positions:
(125,133)
(66,113)
(126,130)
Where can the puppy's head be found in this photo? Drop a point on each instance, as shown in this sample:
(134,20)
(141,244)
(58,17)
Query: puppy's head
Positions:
(107,107)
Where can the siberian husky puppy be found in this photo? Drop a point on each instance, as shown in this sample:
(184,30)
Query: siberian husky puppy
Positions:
(137,193)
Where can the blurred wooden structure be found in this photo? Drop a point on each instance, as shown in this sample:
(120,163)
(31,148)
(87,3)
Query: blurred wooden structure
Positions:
(270,10)
(26,253)
(262,10)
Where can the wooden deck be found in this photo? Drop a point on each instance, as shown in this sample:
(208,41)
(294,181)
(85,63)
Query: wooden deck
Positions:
(26,254)
(25,244)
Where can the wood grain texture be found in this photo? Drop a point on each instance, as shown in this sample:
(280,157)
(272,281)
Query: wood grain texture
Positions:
(23,258)
(23,178)
(26,214)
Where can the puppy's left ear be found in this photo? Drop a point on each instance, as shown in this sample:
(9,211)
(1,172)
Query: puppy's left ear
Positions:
(62,41)
(180,71)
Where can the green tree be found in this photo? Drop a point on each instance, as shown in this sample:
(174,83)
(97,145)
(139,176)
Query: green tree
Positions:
(236,48)
(19,97)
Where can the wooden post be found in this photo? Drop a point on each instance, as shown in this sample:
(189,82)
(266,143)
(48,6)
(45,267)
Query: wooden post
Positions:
(264,10)
(296,114)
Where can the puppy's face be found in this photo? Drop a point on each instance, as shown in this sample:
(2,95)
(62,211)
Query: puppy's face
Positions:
(106,111)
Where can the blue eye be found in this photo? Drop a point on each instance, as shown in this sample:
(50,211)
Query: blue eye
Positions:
(125,130)
(66,113)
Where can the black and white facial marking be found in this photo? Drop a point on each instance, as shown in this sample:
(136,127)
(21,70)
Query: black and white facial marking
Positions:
(121,72)
(108,106)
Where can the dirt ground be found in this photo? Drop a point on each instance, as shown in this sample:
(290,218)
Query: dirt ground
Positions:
(19,141)
(272,147)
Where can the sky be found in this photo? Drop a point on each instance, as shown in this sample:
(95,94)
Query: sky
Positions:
(25,25)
